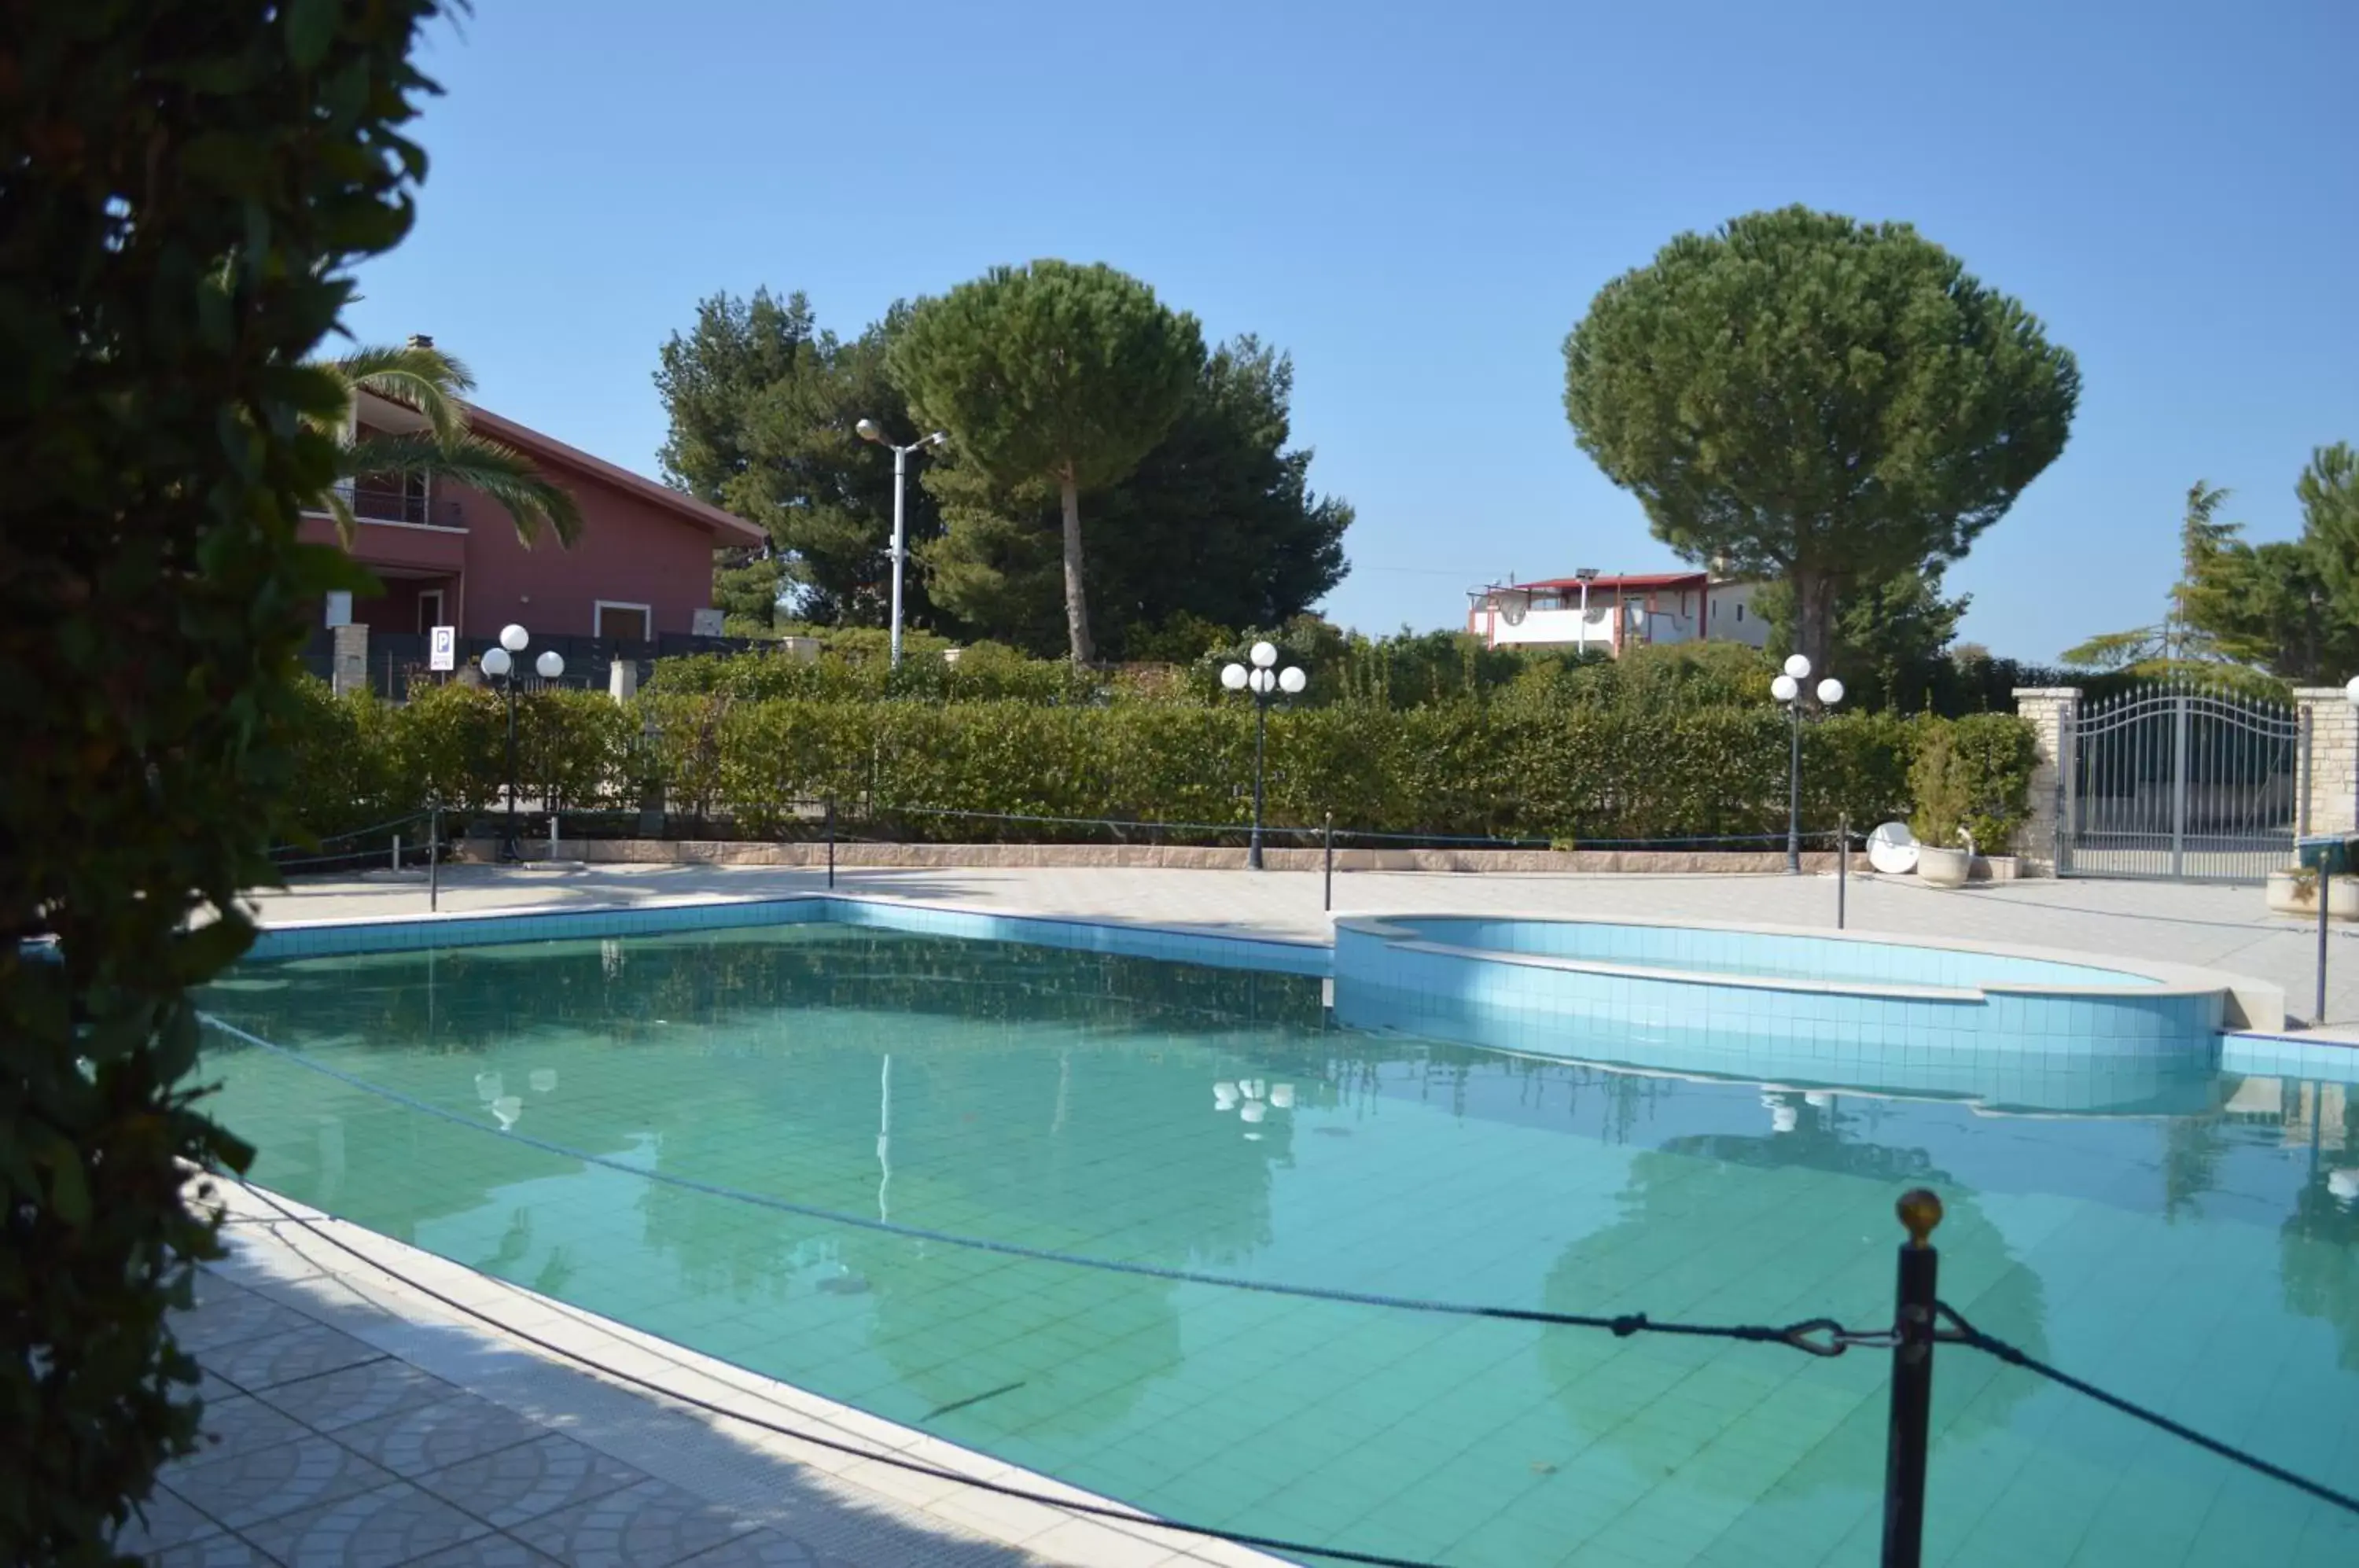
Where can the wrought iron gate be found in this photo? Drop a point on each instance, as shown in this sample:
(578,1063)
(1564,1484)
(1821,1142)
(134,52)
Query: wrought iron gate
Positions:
(2178,782)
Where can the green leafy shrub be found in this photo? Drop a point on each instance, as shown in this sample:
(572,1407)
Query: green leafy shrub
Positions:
(187,185)
(1944,795)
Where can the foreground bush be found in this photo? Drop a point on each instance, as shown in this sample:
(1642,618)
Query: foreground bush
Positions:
(186,183)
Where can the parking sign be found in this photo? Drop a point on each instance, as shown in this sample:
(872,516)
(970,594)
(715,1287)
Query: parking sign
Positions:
(443,653)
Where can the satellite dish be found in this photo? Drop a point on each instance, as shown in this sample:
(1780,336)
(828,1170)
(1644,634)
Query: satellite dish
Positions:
(1513,604)
(1892,849)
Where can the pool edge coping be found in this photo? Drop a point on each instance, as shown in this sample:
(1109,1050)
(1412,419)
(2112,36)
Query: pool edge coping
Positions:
(510,1311)
(2248,1000)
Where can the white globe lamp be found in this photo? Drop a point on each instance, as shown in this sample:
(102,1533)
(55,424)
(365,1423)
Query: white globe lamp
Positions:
(551,664)
(1265,654)
(1830,690)
(497,662)
(1232,676)
(1291,679)
(1798,665)
(1785,688)
(514,638)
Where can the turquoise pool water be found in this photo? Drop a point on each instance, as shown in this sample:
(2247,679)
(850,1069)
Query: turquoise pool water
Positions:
(2205,1261)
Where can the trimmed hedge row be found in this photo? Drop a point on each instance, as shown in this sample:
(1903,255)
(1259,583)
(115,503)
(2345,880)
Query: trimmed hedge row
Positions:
(1579,774)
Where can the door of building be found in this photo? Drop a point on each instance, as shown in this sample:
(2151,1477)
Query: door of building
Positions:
(429,611)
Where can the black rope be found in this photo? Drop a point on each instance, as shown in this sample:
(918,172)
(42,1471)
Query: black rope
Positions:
(1269,830)
(1965,1333)
(1816,1336)
(898,1461)
(352,833)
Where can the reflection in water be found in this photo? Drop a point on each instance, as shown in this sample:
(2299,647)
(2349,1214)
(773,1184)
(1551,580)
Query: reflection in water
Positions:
(1703,1211)
(1058,1101)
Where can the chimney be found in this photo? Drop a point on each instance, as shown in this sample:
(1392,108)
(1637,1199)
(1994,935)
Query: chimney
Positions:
(420,339)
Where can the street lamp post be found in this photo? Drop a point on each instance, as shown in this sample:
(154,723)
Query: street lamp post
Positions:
(499,663)
(870,430)
(1787,689)
(1265,683)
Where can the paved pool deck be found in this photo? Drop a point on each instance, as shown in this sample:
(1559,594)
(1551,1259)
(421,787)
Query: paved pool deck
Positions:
(2215,927)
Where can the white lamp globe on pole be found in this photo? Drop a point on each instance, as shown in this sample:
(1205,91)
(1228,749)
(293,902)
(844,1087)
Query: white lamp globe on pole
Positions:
(1264,655)
(1785,688)
(1232,676)
(514,638)
(1798,665)
(2351,691)
(1830,692)
(551,664)
(495,662)
(1264,683)
(1291,679)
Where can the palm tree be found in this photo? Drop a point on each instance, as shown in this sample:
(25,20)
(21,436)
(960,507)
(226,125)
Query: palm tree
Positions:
(423,377)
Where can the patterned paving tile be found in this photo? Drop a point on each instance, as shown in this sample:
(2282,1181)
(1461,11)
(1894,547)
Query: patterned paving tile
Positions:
(212,1552)
(488,1551)
(758,1549)
(436,1436)
(651,1525)
(351,1395)
(375,1528)
(530,1479)
(245,1488)
(170,1520)
(238,1425)
(304,1351)
(227,1314)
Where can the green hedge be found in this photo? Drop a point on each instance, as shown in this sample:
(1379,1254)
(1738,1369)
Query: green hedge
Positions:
(1577,773)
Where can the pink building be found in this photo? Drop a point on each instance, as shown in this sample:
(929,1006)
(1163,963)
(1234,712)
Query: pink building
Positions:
(641,570)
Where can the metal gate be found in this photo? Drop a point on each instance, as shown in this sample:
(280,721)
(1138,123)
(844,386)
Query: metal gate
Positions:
(2177,782)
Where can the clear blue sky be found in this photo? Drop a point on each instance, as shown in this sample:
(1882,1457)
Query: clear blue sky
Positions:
(1419,207)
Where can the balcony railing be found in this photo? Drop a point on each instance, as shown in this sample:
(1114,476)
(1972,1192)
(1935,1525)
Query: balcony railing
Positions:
(385,500)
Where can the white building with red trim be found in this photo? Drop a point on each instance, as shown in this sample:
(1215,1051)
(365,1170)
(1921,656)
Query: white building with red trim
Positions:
(1594,612)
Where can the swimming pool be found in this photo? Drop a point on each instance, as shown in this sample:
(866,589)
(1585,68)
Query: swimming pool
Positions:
(1218,1118)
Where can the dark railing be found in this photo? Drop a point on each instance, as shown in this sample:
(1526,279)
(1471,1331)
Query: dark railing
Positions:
(387,501)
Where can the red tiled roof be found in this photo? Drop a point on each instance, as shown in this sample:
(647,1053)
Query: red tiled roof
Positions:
(1608,584)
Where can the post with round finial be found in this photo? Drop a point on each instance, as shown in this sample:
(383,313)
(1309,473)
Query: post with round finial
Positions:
(1912,1382)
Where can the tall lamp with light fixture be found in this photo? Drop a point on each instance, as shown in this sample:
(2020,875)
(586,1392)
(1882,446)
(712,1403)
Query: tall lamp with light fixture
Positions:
(499,663)
(871,431)
(1265,683)
(1787,689)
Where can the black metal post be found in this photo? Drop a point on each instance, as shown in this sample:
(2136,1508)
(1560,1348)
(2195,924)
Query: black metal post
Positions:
(434,855)
(830,841)
(1261,723)
(1912,1383)
(1794,789)
(1842,866)
(511,847)
(1327,839)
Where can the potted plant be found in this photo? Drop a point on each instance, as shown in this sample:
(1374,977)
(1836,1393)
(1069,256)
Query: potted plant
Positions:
(2294,891)
(1938,779)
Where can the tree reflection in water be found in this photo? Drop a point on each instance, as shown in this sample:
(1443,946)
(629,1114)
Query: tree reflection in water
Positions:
(1729,1228)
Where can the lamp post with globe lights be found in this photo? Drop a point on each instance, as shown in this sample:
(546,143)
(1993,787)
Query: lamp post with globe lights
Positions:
(1265,683)
(499,663)
(1787,689)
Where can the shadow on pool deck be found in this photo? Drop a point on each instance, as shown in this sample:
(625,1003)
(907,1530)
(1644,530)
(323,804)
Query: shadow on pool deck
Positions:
(338,1432)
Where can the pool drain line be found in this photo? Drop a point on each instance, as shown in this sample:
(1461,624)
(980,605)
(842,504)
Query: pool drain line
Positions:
(852,1450)
(1816,1336)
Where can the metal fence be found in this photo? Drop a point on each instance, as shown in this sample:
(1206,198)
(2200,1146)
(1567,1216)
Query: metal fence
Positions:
(2181,783)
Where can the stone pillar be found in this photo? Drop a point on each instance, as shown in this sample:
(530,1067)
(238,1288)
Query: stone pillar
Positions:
(2333,740)
(2053,712)
(349,656)
(622,679)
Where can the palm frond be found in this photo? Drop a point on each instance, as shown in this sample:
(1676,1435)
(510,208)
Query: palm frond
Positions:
(348,526)
(427,379)
(501,473)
